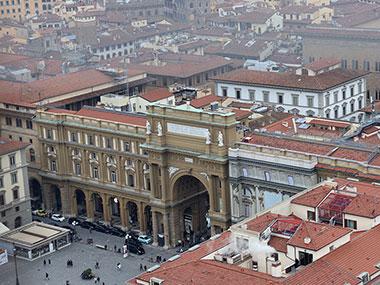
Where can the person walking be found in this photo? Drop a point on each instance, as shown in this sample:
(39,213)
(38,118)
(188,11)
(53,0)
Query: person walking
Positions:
(44,261)
(47,276)
(96,264)
(49,261)
(98,279)
(141,267)
(119,266)
(144,267)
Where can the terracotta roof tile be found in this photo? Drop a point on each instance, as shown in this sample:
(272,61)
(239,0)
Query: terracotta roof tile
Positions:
(260,223)
(239,114)
(7,145)
(205,100)
(278,243)
(156,95)
(321,235)
(322,273)
(359,255)
(321,81)
(322,64)
(314,197)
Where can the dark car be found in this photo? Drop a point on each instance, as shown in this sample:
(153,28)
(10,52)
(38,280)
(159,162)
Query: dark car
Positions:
(74,221)
(101,228)
(87,225)
(133,241)
(116,232)
(136,249)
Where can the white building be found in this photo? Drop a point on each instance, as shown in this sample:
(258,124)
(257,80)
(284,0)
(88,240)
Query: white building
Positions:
(338,93)
(14,185)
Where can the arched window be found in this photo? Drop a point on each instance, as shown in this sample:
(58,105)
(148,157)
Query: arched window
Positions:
(44,7)
(26,5)
(32,155)
(36,5)
(18,222)
(49,6)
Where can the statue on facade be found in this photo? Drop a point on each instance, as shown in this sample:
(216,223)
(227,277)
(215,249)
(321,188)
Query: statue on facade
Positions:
(148,128)
(220,139)
(208,137)
(159,129)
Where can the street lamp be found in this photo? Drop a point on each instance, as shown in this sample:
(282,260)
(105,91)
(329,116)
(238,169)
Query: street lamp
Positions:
(14,255)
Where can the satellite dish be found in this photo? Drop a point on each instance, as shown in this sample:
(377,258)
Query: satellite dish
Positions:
(307,240)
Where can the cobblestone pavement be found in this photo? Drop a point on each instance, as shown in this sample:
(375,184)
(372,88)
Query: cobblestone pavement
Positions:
(83,257)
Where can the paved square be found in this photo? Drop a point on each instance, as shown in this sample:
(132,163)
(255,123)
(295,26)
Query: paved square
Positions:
(83,257)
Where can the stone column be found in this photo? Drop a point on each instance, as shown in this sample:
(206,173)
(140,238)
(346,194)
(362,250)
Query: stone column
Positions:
(66,200)
(164,183)
(89,206)
(212,193)
(123,214)
(74,205)
(152,181)
(166,230)
(155,228)
(139,174)
(226,203)
(106,209)
(257,199)
(142,221)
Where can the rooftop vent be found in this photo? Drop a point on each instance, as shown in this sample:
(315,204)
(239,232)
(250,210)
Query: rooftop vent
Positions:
(307,240)
(153,268)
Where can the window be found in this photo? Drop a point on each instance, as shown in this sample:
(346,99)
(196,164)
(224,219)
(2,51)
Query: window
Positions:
(18,123)
(1,182)
(131,180)
(359,87)
(336,113)
(32,155)
(246,192)
(17,209)
(352,91)
(113,176)
(245,172)
(327,100)
(246,210)
(77,169)
(93,155)
(336,96)
(280,97)
(12,160)
(2,199)
(377,66)
(355,64)
(343,94)
(73,137)
(311,215)
(352,106)
(29,124)
(366,65)
(49,134)
(291,180)
(238,93)
(8,121)
(267,175)
(109,143)
(344,110)
(350,224)
(127,146)
(344,63)
(20,139)
(310,101)
(14,177)
(360,103)
(224,92)
(251,95)
(148,184)
(53,166)
(266,96)
(15,194)
(95,173)
(90,140)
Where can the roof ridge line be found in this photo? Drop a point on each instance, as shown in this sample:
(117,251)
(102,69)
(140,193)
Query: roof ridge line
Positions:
(340,269)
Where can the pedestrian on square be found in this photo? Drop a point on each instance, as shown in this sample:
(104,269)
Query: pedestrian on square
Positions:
(115,248)
(44,261)
(49,261)
(144,267)
(47,276)
(119,266)
(98,279)
(141,267)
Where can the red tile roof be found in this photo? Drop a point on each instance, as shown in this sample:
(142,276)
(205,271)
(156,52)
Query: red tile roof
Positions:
(320,235)
(260,223)
(240,114)
(321,81)
(107,115)
(359,255)
(364,206)
(314,197)
(7,145)
(322,273)
(156,95)
(332,123)
(322,64)
(205,100)
(278,243)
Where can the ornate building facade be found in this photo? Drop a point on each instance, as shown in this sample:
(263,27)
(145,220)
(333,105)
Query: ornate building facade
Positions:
(166,172)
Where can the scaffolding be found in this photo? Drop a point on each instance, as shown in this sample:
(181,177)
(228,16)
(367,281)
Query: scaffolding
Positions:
(333,207)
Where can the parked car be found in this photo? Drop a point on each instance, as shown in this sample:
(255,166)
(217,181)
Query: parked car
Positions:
(116,232)
(87,225)
(132,241)
(135,249)
(74,221)
(101,228)
(57,217)
(72,229)
(40,213)
(145,239)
